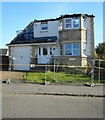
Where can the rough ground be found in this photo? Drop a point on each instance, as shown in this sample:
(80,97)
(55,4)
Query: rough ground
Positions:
(13,75)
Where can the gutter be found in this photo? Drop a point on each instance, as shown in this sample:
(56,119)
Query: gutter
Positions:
(10,45)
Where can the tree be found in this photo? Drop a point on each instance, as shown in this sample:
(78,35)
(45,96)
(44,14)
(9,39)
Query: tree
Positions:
(100,50)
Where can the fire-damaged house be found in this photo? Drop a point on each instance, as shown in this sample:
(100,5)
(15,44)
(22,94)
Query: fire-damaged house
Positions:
(68,39)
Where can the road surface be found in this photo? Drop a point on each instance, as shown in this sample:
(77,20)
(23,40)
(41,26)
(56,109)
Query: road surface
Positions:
(43,106)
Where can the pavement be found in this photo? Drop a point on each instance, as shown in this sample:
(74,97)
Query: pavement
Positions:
(53,89)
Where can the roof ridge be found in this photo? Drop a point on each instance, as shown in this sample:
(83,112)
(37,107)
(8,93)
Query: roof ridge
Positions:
(64,16)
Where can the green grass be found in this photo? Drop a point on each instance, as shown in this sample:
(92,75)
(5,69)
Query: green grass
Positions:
(60,77)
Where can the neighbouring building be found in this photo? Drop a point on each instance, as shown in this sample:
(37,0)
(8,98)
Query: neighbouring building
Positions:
(68,39)
(4,60)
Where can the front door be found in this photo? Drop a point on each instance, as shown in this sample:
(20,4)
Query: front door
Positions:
(44,54)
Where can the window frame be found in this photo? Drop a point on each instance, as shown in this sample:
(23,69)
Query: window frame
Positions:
(72,49)
(45,51)
(76,22)
(39,51)
(72,23)
(51,53)
(44,25)
(68,23)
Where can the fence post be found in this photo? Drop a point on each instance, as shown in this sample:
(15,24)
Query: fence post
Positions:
(45,72)
(99,72)
(54,69)
(92,72)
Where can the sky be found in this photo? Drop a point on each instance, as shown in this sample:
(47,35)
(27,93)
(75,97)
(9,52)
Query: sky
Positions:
(17,15)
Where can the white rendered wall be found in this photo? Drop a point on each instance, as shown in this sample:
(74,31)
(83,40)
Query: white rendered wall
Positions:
(52,29)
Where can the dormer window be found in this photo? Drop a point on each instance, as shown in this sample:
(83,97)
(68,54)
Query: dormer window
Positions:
(44,26)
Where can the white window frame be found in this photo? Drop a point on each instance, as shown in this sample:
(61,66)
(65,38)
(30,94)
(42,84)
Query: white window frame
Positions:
(72,23)
(78,23)
(72,49)
(68,23)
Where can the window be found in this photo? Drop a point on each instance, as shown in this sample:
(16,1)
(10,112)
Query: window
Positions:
(53,48)
(72,49)
(71,23)
(75,22)
(60,49)
(39,51)
(68,23)
(45,51)
(68,49)
(44,26)
(50,51)
(76,49)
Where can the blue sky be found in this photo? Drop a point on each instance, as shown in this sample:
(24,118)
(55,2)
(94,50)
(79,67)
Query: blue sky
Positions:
(17,15)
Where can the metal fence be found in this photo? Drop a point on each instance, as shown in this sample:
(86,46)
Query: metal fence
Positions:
(62,70)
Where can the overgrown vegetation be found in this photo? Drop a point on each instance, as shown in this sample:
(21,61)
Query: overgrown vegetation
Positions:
(57,77)
(100,50)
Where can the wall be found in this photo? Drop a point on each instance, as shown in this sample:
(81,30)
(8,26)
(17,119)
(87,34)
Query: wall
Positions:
(70,35)
(82,35)
(52,29)
(68,60)
(90,37)
(4,62)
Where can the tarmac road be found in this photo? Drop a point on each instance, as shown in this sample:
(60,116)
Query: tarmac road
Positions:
(33,88)
(39,106)
(17,104)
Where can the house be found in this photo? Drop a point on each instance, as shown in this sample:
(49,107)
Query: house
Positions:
(4,60)
(68,39)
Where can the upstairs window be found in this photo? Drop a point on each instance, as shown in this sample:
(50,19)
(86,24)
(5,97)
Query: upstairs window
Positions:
(68,23)
(44,26)
(76,22)
(71,23)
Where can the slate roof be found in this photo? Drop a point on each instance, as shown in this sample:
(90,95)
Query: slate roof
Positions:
(27,35)
(21,40)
